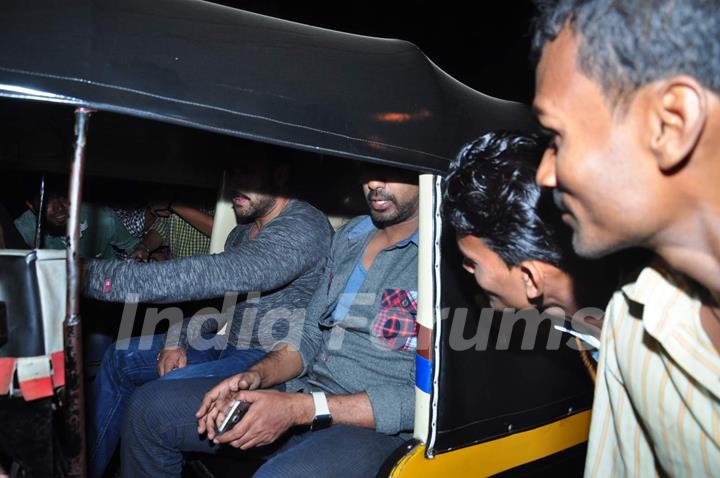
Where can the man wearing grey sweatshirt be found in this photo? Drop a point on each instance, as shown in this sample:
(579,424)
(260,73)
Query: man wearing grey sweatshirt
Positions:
(338,403)
(276,256)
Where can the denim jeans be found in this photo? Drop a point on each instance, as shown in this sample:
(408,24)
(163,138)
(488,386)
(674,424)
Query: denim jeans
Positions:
(131,363)
(160,425)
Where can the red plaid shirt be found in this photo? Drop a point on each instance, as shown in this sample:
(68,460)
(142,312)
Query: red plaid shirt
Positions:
(395,326)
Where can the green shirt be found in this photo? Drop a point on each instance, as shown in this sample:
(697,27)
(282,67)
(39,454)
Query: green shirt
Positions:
(100,230)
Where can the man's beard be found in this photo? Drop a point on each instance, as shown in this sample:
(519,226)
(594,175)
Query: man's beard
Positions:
(255,208)
(384,219)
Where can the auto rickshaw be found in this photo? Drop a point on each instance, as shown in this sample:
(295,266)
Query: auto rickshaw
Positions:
(493,406)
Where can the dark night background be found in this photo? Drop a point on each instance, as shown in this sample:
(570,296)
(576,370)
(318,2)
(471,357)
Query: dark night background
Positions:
(482,44)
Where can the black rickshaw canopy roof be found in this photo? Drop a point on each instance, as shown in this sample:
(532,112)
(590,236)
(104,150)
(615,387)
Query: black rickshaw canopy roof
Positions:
(216,68)
(197,64)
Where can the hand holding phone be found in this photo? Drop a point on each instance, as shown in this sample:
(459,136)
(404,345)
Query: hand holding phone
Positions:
(238,408)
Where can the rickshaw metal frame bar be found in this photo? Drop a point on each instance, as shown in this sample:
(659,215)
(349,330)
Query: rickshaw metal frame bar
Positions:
(425,317)
(40,216)
(72,329)
(437,225)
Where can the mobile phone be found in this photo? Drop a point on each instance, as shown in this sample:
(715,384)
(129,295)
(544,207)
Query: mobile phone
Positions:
(238,408)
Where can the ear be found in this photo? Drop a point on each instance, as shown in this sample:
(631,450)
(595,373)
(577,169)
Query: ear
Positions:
(680,110)
(533,278)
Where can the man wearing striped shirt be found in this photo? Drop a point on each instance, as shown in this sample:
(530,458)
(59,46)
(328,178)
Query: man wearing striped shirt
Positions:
(631,93)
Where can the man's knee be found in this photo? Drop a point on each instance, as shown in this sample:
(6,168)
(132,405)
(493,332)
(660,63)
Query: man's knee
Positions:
(144,411)
(115,362)
(113,359)
(123,358)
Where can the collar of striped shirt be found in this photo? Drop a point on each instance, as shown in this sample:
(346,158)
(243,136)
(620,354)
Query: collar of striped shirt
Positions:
(656,409)
(671,314)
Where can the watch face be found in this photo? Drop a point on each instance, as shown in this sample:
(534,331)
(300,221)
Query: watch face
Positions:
(321,421)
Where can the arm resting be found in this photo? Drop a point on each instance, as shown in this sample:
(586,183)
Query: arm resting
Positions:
(280,365)
(198,219)
(393,407)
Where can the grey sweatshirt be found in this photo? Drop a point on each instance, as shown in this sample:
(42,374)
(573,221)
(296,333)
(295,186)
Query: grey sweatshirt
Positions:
(283,262)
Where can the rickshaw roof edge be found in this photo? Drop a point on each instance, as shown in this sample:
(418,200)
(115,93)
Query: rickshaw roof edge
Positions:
(219,69)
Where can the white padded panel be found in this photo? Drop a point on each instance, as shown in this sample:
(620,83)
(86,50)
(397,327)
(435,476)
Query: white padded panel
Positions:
(225,219)
(52,282)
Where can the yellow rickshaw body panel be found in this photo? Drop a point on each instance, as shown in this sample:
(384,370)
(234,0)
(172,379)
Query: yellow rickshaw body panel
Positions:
(496,456)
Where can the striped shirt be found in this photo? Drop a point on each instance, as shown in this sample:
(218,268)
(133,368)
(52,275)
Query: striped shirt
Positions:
(657,398)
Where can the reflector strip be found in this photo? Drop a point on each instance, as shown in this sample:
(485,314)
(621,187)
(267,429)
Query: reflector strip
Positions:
(34,376)
(36,388)
(424,342)
(58,369)
(7,372)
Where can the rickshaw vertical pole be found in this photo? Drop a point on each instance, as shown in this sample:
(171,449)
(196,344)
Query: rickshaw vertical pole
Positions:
(40,216)
(74,384)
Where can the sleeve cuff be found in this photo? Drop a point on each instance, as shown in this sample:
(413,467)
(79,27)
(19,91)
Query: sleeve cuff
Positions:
(306,354)
(393,408)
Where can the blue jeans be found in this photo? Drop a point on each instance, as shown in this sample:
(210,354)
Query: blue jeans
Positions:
(160,425)
(131,363)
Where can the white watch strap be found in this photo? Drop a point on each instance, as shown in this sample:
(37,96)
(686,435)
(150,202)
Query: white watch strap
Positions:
(321,404)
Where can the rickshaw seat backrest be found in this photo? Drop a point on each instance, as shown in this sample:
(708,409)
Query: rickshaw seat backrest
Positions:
(32,302)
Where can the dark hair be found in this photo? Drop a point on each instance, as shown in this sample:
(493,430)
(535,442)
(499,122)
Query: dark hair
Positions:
(625,44)
(490,192)
(55,187)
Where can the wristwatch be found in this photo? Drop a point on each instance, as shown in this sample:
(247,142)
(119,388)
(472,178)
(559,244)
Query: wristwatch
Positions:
(322,419)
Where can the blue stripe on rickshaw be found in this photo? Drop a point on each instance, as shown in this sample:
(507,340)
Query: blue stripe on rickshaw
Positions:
(423,373)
